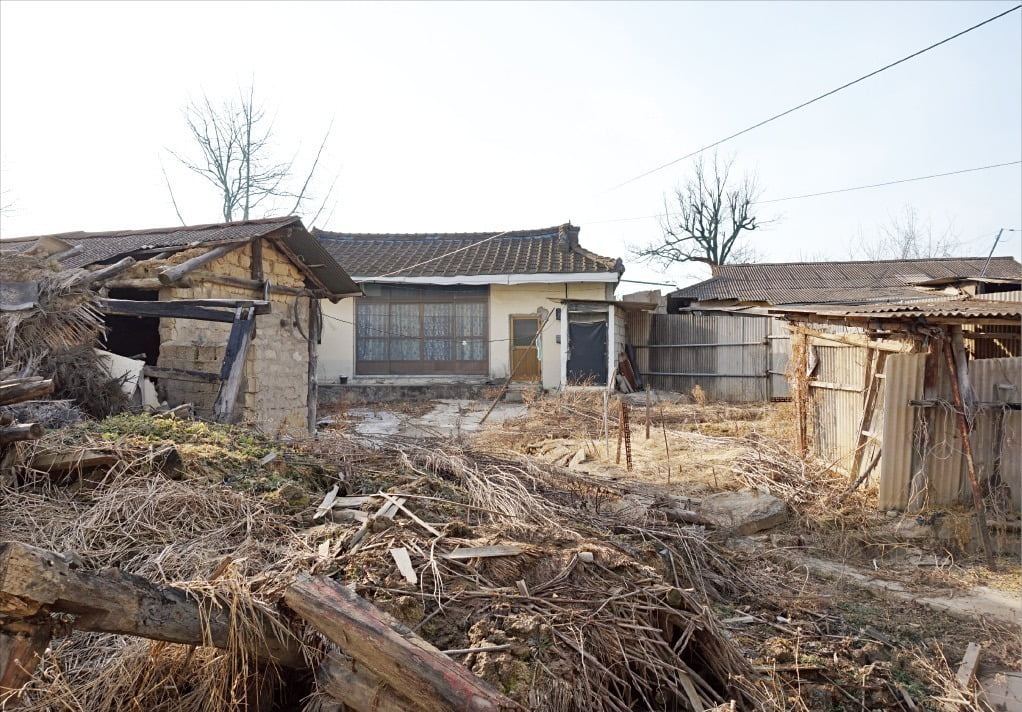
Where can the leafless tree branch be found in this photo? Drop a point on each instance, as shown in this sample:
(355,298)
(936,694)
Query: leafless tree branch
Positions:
(907,237)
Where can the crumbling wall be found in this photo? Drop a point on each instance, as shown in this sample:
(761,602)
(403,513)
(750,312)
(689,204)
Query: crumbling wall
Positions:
(274,388)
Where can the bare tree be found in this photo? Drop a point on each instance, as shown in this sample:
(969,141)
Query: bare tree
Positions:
(236,155)
(712,214)
(906,237)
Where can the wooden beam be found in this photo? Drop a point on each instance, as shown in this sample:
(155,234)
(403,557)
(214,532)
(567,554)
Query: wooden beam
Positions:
(35,582)
(201,309)
(256,265)
(233,365)
(873,380)
(22,431)
(180,374)
(20,392)
(148,283)
(105,272)
(169,275)
(854,340)
(22,645)
(297,261)
(404,661)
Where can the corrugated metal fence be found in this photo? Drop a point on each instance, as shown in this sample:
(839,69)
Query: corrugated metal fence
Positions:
(731,356)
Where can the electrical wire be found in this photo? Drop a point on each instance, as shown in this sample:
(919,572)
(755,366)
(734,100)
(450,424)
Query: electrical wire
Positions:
(831,192)
(816,99)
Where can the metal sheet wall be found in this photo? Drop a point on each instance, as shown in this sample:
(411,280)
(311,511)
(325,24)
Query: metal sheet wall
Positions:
(837,411)
(995,441)
(727,355)
(903,382)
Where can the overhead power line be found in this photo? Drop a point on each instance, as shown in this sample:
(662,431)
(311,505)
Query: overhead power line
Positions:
(816,99)
(832,192)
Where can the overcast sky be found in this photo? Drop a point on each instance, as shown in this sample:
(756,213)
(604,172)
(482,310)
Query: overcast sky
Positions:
(495,116)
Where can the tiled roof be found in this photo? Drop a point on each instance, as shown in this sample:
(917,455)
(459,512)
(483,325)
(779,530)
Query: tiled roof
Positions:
(108,246)
(840,282)
(548,250)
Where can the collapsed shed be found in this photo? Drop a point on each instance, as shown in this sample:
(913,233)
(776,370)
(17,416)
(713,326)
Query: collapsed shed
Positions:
(927,394)
(225,316)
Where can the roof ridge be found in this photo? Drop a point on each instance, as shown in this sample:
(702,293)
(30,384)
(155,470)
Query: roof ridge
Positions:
(83,235)
(494,234)
(861,262)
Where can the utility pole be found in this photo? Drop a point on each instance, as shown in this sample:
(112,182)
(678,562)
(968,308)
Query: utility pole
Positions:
(996,240)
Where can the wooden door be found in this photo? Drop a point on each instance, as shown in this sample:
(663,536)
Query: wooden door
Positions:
(524,353)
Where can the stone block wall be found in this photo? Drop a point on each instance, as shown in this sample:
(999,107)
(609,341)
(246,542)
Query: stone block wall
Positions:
(274,388)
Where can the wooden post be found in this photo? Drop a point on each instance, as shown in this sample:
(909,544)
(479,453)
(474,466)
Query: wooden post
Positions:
(169,275)
(963,428)
(869,400)
(408,664)
(22,645)
(667,445)
(234,364)
(626,428)
(647,411)
(620,429)
(256,267)
(315,334)
(36,582)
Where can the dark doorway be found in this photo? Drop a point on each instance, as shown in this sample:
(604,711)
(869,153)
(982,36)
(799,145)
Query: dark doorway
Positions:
(587,355)
(133,336)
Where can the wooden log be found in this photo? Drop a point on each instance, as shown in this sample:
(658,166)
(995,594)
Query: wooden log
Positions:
(315,336)
(233,365)
(403,660)
(169,275)
(256,264)
(20,392)
(36,582)
(256,286)
(68,253)
(72,461)
(22,431)
(104,273)
(146,283)
(350,682)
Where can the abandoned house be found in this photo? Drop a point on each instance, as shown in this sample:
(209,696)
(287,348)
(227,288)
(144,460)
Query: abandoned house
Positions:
(926,394)
(720,335)
(533,305)
(226,317)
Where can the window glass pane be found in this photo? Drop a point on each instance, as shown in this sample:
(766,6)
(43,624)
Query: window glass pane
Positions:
(404,319)
(404,350)
(371,349)
(470,350)
(437,349)
(471,319)
(436,320)
(524,331)
(372,319)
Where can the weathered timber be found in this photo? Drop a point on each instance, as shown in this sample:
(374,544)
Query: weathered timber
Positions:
(854,340)
(72,461)
(233,365)
(169,275)
(252,284)
(104,273)
(68,253)
(180,374)
(256,264)
(22,645)
(481,552)
(25,391)
(22,431)
(201,309)
(403,660)
(315,336)
(350,682)
(36,582)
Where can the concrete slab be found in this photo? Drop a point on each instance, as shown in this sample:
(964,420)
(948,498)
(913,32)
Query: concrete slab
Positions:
(1002,691)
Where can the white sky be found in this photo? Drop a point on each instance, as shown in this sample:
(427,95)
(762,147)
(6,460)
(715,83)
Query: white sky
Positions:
(487,116)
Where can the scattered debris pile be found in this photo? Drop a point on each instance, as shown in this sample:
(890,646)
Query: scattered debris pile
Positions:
(540,597)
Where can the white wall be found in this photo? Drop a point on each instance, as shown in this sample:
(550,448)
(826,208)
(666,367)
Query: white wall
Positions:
(337,352)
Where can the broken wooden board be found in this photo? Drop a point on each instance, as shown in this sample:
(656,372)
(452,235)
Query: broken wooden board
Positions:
(481,552)
(967,670)
(404,564)
(36,582)
(404,661)
(351,683)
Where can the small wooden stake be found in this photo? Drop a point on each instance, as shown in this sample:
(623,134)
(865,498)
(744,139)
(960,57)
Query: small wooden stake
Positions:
(620,429)
(647,411)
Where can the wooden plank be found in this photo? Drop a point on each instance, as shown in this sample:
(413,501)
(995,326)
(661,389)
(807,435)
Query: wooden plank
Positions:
(876,367)
(481,552)
(404,661)
(404,564)
(169,275)
(835,386)
(852,340)
(180,374)
(200,309)
(967,670)
(72,461)
(327,503)
(22,645)
(36,582)
(400,504)
(233,365)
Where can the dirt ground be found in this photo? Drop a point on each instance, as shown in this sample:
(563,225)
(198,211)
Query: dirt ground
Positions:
(832,637)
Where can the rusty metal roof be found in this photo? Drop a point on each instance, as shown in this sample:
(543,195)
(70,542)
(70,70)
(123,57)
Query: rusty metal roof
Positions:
(99,247)
(953,309)
(842,282)
(552,250)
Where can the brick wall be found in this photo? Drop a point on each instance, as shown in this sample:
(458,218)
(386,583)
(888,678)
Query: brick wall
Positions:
(274,387)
